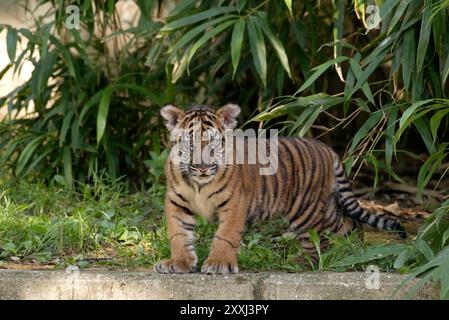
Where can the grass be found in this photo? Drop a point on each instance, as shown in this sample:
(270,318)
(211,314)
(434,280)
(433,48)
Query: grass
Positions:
(104,225)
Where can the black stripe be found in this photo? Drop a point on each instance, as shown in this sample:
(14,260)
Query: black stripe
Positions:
(349,201)
(263,190)
(186,178)
(170,166)
(352,206)
(306,189)
(342,180)
(284,174)
(339,171)
(293,176)
(225,185)
(279,185)
(331,222)
(376,220)
(344,189)
(180,196)
(357,213)
(275,188)
(253,198)
(186,225)
(317,199)
(289,183)
(222,204)
(301,172)
(208,122)
(184,209)
(227,241)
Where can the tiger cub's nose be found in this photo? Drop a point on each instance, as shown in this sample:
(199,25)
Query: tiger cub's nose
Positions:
(203,168)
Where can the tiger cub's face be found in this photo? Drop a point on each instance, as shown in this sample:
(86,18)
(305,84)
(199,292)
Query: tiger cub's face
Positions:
(198,138)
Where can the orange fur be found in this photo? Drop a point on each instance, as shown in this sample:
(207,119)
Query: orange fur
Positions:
(308,188)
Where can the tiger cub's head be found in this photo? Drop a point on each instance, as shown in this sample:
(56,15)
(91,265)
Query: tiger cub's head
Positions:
(198,138)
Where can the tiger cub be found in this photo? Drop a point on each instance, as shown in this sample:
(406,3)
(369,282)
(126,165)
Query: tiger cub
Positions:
(309,188)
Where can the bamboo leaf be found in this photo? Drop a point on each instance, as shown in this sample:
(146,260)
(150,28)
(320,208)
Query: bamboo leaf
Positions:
(207,36)
(103,110)
(190,35)
(422,125)
(369,70)
(275,42)
(93,100)
(445,72)
(445,237)
(337,32)
(428,169)
(65,126)
(425,249)
(67,158)
(236,44)
(435,122)
(387,7)
(372,121)
(180,66)
(27,153)
(389,132)
(240,4)
(358,73)
(318,71)
(298,104)
(258,51)
(408,56)
(409,112)
(194,18)
(112,163)
(11,43)
(288,3)
(402,258)
(424,34)
(310,120)
(146,7)
(398,14)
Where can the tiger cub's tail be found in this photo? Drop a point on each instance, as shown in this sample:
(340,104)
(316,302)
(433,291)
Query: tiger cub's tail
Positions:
(348,201)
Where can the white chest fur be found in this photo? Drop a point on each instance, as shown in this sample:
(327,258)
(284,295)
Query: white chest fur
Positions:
(199,201)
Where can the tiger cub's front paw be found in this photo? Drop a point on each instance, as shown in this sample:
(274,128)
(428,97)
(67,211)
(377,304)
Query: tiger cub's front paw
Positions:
(219,266)
(175,266)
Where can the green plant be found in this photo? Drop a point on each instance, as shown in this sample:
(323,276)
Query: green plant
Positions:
(94,106)
(86,106)
(309,68)
(46,222)
(428,256)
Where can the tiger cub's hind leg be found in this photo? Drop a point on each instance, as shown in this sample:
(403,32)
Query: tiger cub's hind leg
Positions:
(349,225)
(334,222)
(311,255)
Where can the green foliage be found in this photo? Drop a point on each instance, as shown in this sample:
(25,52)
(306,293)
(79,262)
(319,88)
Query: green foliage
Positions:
(89,106)
(85,106)
(104,224)
(309,68)
(428,257)
(43,223)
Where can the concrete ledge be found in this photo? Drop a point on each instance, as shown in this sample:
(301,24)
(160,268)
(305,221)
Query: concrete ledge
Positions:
(74,284)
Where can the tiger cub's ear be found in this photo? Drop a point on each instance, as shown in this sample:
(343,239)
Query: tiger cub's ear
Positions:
(228,114)
(172,114)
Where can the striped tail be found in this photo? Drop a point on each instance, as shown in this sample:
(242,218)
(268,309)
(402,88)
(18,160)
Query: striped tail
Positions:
(349,203)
